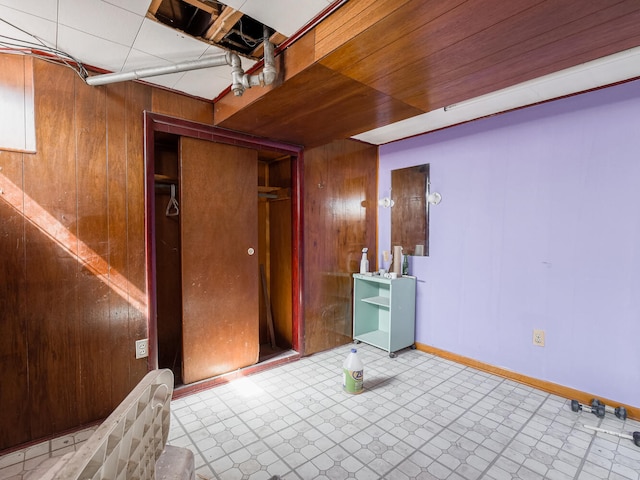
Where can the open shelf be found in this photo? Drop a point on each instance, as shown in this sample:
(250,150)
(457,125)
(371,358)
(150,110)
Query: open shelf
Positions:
(384,311)
(379,301)
(375,338)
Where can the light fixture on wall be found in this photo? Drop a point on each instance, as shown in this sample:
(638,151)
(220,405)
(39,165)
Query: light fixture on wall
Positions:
(434,198)
(386,202)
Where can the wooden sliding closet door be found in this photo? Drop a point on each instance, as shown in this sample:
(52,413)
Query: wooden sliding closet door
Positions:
(219,234)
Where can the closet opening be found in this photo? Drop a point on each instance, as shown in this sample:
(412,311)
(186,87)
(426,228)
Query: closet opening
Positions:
(223,257)
(167,241)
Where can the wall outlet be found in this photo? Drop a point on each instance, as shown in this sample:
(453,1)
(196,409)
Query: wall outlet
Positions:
(142,348)
(538,338)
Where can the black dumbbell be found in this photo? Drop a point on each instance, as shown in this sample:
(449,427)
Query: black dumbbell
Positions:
(598,410)
(619,412)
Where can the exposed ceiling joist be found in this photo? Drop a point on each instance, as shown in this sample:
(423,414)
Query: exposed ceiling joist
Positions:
(223,24)
(203,6)
(215,23)
(155,5)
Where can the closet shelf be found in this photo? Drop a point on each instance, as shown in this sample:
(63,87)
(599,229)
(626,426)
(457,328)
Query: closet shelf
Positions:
(273,193)
(263,189)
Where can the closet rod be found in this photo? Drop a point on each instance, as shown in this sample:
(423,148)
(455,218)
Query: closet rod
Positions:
(165,186)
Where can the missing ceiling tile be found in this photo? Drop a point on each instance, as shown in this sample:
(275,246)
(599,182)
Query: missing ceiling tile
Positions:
(215,23)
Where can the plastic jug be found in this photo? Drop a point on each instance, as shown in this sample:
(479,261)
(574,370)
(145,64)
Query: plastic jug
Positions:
(352,373)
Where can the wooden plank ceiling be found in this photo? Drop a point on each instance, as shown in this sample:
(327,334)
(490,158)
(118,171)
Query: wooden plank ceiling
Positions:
(374,62)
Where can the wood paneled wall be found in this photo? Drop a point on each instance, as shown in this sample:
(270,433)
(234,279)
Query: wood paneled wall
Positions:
(340,215)
(72,270)
(72,243)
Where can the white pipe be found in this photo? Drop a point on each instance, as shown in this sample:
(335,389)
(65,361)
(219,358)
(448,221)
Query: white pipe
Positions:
(213,61)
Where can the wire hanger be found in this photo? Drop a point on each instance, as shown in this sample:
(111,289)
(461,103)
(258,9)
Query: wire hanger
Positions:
(172,208)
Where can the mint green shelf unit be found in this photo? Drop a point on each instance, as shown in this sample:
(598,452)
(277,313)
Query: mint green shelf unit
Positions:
(384,312)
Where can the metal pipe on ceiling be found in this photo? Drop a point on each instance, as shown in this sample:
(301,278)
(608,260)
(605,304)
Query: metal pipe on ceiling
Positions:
(213,61)
(240,80)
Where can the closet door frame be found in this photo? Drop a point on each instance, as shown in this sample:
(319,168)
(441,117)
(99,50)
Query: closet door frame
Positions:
(154,122)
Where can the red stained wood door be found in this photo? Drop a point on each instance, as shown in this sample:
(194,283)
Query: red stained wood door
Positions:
(219,239)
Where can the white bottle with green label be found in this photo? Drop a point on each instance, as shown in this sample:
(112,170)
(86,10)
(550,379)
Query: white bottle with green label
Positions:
(352,373)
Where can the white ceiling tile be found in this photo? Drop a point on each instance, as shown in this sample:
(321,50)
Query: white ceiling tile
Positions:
(247,64)
(235,4)
(92,50)
(100,19)
(169,80)
(137,59)
(213,50)
(44,29)
(47,9)
(206,83)
(222,73)
(164,42)
(285,16)
(139,7)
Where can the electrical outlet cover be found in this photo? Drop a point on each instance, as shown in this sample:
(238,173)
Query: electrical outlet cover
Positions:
(142,348)
(538,338)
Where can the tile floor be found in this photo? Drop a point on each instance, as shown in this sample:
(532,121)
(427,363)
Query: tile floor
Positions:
(420,417)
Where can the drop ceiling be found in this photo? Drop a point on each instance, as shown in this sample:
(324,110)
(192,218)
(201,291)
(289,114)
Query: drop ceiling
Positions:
(123,35)
(375,70)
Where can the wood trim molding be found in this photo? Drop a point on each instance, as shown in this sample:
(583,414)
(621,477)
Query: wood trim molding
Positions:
(549,387)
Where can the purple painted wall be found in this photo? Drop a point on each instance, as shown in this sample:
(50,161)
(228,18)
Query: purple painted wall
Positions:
(539,228)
